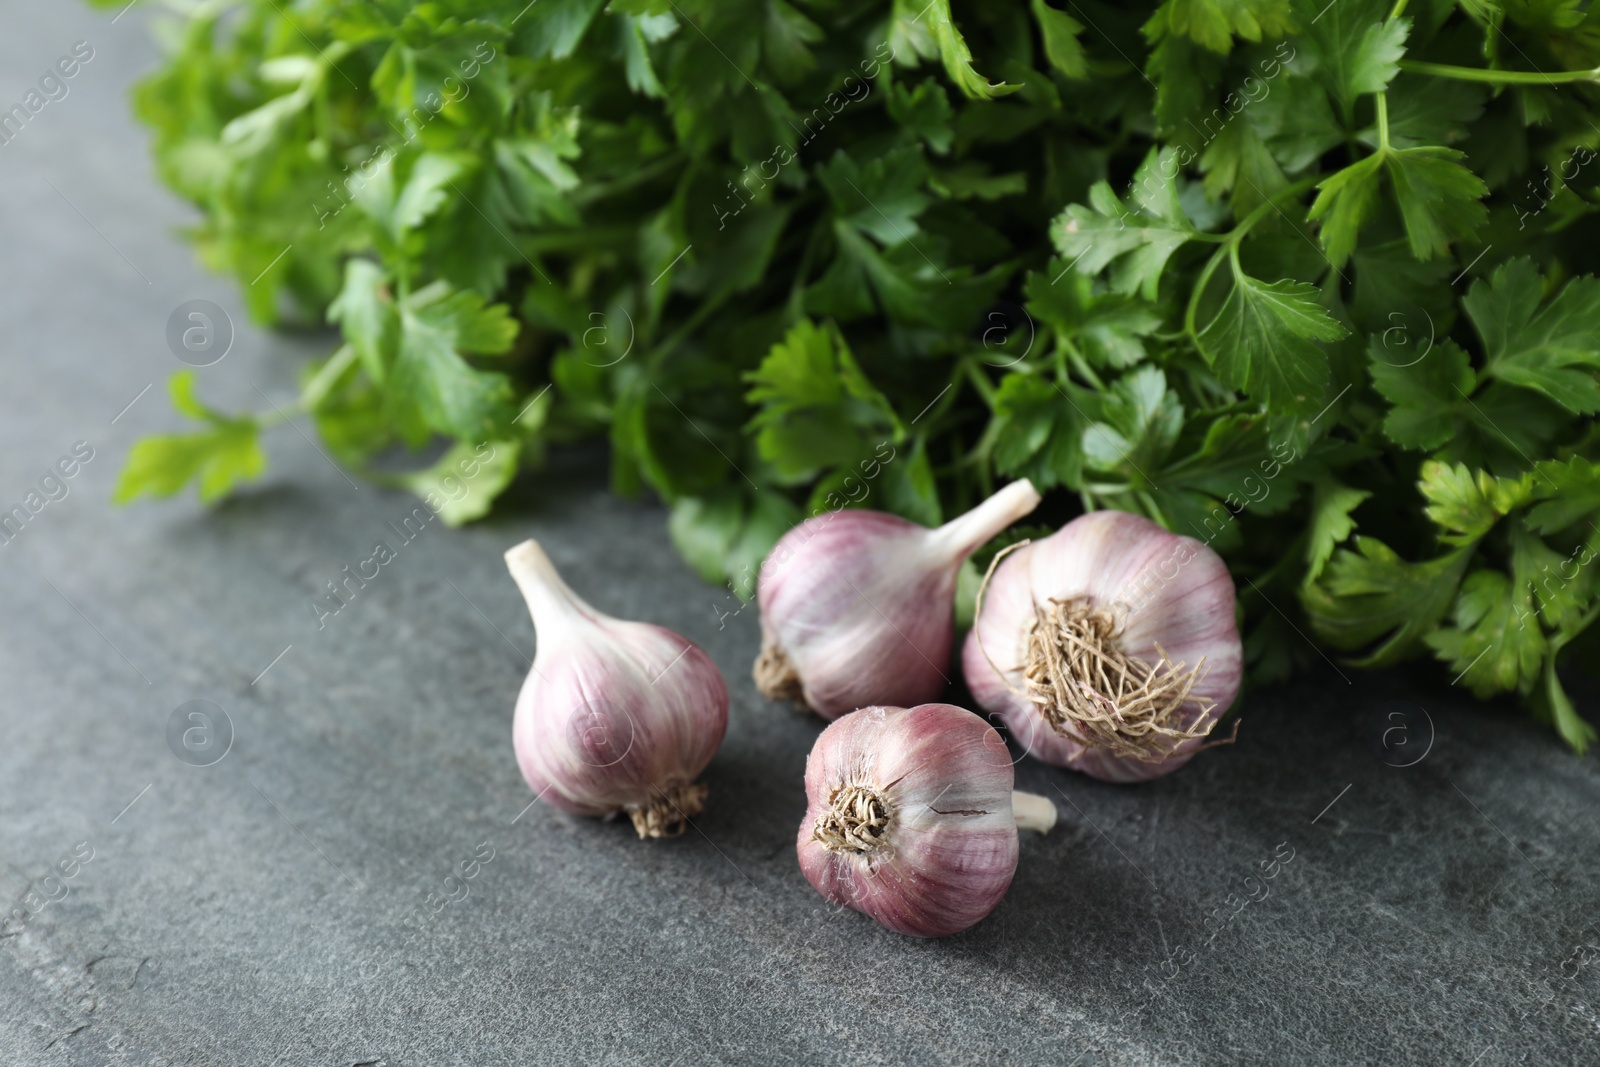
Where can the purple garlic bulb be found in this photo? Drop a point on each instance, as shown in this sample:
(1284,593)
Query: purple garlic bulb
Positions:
(856,605)
(1109,647)
(615,716)
(911,817)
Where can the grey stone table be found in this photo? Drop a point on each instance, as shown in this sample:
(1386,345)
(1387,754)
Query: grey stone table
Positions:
(1424,903)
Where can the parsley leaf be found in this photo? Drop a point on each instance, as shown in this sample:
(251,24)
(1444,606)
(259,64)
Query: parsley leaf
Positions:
(1331,505)
(217,460)
(1213,23)
(1263,340)
(1490,643)
(1466,505)
(1061,45)
(1140,233)
(1551,348)
(789,256)
(817,409)
(1373,594)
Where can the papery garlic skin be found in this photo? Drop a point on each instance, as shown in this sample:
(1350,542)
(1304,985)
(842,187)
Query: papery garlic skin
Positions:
(615,716)
(856,605)
(1170,594)
(945,850)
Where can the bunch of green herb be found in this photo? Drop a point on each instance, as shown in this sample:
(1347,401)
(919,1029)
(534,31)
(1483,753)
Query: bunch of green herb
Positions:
(1268,271)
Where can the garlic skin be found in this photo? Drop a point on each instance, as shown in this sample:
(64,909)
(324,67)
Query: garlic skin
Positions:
(615,716)
(911,817)
(1159,594)
(856,605)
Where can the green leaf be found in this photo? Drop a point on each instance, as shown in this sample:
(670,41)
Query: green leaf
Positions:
(1563,584)
(1557,709)
(1438,405)
(1239,160)
(1409,303)
(226,455)
(957,57)
(217,460)
(1347,199)
(727,534)
(1467,504)
(1142,419)
(351,420)
(424,192)
(1109,328)
(1429,111)
(1139,235)
(1373,594)
(1331,505)
(1357,50)
(463,483)
(1263,340)
(907,486)
(1554,349)
(366,314)
(909,287)
(1038,430)
(817,408)
(882,198)
(1428,394)
(1213,23)
(1494,644)
(180,390)
(1296,121)
(784,39)
(554,28)
(1061,45)
(1438,197)
(1568,493)
(432,378)
(924,111)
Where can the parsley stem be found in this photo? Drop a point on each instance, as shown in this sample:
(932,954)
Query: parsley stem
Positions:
(1561,639)
(1398,9)
(1081,365)
(1230,247)
(1152,508)
(321,383)
(1499,77)
(1383,122)
(981,383)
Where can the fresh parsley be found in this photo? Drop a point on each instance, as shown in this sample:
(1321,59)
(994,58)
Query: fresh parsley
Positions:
(1307,281)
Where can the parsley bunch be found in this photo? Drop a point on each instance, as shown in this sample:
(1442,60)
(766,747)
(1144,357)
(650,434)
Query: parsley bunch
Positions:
(1267,271)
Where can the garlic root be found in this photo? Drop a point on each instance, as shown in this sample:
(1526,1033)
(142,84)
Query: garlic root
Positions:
(668,814)
(856,820)
(1082,681)
(1110,647)
(775,676)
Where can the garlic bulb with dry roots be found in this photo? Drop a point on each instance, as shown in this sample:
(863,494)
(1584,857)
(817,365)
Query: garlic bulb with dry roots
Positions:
(615,716)
(1109,647)
(911,817)
(856,605)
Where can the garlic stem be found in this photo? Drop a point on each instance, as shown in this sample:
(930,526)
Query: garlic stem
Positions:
(964,534)
(546,594)
(1033,812)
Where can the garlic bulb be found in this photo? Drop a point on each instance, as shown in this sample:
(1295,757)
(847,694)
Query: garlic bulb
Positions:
(911,817)
(1109,647)
(856,605)
(615,716)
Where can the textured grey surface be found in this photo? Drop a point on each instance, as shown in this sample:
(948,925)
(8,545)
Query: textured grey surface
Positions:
(244,913)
